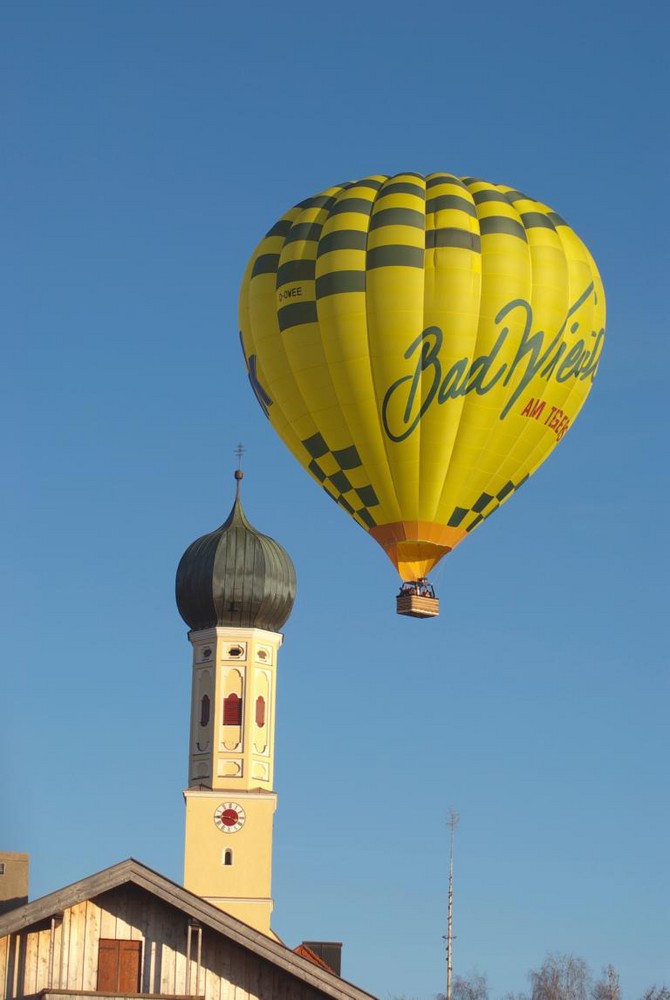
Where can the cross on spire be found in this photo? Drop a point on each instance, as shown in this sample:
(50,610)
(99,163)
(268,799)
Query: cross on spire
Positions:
(239,475)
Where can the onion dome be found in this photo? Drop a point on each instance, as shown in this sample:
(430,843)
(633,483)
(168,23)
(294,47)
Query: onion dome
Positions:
(235,576)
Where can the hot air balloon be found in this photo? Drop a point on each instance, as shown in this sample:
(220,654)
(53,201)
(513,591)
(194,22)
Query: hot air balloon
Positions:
(421,344)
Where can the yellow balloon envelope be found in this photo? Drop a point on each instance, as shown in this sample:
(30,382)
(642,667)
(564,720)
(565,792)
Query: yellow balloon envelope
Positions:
(421,344)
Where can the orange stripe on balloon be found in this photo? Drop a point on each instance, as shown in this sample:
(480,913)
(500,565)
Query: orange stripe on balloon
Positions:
(418,531)
(414,547)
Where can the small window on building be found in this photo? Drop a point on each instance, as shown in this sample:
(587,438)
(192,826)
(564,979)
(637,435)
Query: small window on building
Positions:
(2,867)
(260,711)
(204,710)
(232,710)
(228,857)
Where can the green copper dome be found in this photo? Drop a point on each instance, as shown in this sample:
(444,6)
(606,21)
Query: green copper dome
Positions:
(235,577)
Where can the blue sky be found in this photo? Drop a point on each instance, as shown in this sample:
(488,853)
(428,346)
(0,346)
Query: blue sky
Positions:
(148,147)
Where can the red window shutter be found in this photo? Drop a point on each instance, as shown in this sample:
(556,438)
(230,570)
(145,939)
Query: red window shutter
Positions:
(119,966)
(232,710)
(108,965)
(130,953)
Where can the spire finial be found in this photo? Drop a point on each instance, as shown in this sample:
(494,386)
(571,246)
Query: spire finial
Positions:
(239,475)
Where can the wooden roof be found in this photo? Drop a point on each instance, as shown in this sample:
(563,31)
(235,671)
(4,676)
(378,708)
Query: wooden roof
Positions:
(131,871)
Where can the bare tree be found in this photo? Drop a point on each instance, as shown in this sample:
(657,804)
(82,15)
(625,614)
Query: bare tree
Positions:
(656,993)
(560,977)
(472,987)
(607,987)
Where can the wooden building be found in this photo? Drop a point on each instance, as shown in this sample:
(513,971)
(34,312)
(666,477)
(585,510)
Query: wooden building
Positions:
(129,932)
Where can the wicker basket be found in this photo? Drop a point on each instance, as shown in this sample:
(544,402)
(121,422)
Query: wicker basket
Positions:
(417,606)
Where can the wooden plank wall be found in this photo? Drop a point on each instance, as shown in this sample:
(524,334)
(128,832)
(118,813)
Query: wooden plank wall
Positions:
(228,971)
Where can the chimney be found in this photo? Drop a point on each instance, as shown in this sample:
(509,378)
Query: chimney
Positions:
(329,952)
(14,870)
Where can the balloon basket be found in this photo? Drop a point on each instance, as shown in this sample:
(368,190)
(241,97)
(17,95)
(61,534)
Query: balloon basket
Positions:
(417,600)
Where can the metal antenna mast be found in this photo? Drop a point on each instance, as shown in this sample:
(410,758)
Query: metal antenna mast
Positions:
(452,823)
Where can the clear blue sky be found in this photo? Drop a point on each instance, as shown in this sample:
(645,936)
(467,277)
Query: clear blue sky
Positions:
(147,148)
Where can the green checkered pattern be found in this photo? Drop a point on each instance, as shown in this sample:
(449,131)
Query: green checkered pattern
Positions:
(342,476)
(483,507)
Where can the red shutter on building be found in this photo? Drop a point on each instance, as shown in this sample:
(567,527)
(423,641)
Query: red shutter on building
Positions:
(119,966)
(232,710)
(108,962)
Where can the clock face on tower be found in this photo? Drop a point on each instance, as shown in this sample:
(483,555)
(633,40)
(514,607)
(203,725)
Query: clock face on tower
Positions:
(229,817)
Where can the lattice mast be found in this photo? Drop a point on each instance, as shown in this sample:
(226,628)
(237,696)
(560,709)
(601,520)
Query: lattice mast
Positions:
(452,823)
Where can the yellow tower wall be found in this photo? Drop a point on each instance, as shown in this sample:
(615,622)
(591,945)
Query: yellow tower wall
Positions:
(231,769)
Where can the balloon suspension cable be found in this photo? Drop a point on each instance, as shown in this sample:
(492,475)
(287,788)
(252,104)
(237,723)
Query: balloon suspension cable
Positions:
(421,587)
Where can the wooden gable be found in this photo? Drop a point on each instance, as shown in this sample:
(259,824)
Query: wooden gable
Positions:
(127,935)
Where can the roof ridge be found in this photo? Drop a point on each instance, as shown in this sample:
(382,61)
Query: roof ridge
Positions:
(131,870)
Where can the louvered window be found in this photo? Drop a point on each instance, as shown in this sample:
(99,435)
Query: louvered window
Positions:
(232,710)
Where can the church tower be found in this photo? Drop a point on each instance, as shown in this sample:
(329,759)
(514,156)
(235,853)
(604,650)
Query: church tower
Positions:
(235,590)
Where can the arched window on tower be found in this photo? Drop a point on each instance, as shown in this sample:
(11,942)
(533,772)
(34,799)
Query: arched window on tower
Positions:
(228,856)
(204,710)
(260,711)
(232,710)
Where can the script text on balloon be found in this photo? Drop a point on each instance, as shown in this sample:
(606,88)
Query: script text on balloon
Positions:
(556,359)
